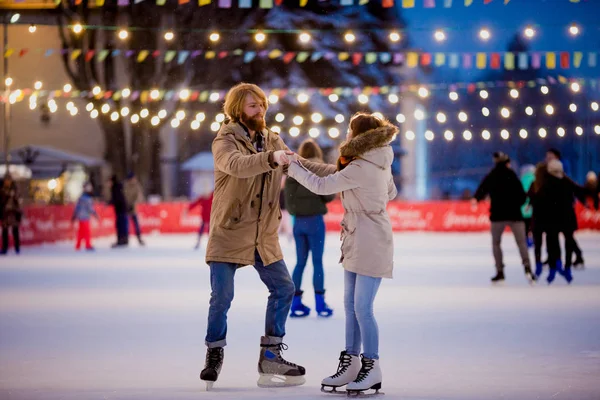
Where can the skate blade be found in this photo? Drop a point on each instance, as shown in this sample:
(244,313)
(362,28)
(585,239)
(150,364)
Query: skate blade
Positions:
(363,393)
(272,380)
(209,385)
(333,390)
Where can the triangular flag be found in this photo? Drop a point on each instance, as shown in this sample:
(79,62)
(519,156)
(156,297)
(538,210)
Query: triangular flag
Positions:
(453,60)
(592,59)
(425,59)
(99,3)
(161,2)
(346,2)
(8,53)
(245,4)
(536,60)
(356,58)
(550,60)
(302,56)
(182,2)
(303,3)
(122,3)
(370,58)
(439,59)
(204,2)
(249,56)
(363,2)
(343,56)
(183,55)
(408,3)
(48,53)
(385,57)
(89,55)
(23,52)
(565,60)
(75,53)
(495,60)
(481,60)
(509,61)
(222,54)
(265,3)
(412,59)
(384,3)
(224,3)
(468,3)
(577,57)
(467,61)
(142,55)
(170,55)
(523,61)
(288,57)
(428,3)
(102,55)
(447,3)
(210,55)
(275,53)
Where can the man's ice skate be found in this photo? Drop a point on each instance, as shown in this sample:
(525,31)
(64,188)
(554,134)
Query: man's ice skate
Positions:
(273,369)
(212,366)
(369,378)
(347,371)
(531,278)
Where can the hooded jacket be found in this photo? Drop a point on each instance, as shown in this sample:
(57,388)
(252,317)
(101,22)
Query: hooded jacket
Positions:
(366,186)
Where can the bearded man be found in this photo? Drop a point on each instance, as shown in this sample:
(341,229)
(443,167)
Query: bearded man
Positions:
(244,221)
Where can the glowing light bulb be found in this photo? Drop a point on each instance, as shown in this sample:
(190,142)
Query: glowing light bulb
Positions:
(349,37)
(304,37)
(439,35)
(123,34)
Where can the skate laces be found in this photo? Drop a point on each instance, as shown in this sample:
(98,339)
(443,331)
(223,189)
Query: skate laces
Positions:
(281,347)
(345,361)
(367,366)
(213,358)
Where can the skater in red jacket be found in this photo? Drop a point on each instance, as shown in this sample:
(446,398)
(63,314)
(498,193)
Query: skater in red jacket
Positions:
(205,202)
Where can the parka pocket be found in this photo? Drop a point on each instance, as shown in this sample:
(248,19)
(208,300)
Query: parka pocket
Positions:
(348,237)
(234,215)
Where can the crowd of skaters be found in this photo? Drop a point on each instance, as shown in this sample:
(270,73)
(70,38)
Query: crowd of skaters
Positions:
(540,204)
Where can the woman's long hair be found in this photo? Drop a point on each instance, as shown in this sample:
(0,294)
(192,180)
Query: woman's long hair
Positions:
(310,149)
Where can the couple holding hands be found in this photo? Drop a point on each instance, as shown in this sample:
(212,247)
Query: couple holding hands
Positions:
(250,161)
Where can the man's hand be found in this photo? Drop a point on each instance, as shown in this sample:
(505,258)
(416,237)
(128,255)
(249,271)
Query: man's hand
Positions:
(282,157)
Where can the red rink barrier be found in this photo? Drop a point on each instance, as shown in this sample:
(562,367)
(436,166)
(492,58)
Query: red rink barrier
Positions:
(53,223)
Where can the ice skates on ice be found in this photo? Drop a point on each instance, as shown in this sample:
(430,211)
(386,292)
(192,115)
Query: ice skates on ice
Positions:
(368,379)
(273,369)
(212,366)
(498,279)
(531,278)
(347,371)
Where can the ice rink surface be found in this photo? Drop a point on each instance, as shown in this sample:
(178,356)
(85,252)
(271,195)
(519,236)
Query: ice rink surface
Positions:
(130,324)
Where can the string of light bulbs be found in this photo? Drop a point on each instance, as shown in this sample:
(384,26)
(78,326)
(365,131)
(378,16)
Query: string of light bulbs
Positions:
(302,95)
(315,123)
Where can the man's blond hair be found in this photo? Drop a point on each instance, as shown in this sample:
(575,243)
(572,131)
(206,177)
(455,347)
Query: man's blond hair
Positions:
(236,97)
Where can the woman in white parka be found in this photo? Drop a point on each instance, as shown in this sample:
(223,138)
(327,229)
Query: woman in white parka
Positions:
(363,176)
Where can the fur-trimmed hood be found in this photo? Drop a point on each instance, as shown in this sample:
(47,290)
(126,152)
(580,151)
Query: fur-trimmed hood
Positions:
(372,146)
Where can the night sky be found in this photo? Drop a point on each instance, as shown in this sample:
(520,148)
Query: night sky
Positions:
(550,18)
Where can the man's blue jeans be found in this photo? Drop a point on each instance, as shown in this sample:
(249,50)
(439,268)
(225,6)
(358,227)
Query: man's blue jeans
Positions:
(309,234)
(361,327)
(281,288)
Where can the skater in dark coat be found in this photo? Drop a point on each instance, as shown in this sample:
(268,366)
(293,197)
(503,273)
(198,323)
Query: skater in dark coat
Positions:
(119,203)
(309,233)
(11,213)
(557,195)
(507,196)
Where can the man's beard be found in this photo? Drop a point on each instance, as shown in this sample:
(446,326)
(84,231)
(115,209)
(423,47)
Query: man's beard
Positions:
(254,123)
